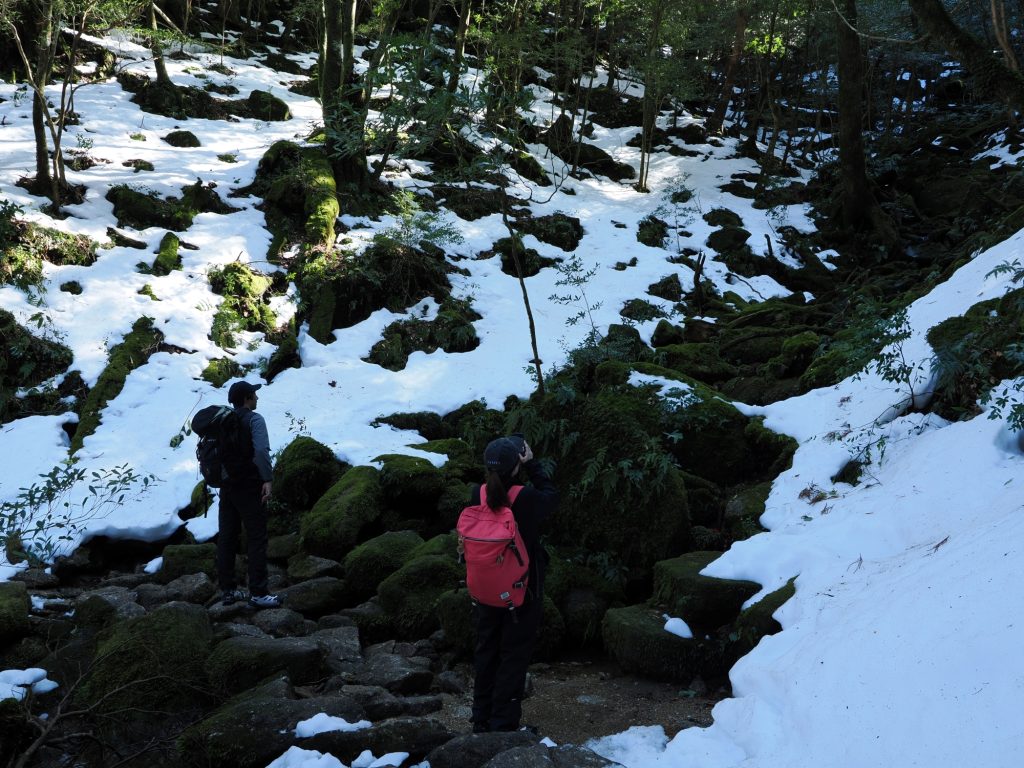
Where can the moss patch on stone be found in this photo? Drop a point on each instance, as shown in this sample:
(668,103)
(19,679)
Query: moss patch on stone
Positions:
(182,139)
(144,208)
(28,361)
(14,608)
(133,352)
(371,562)
(452,331)
(410,595)
(221,370)
(345,515)
(703,602)
(243,308)
(303,473)
(556,229)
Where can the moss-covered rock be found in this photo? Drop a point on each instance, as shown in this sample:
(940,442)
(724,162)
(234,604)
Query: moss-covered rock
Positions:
(299,192)
(239,663)
(371,562)
(244,307)
(527,166)
(640,310)
(582,595)
(700,361)
(185,559)
(462,459)
(723,217)
(221,370)
(410,483)
(303,473)
(744,510)
(757,621)
(794,357)
(705,603)
(410,594)
(266,106)
(27,362)
(14,609)
(133,352)
(444,545)
(143,209)
(452,331)
(668,288)
(652,231)
(530,261)
(345,515)
(556,229)
(153,662)
(167,257)
(666,334)
(24,246)
(636,638)
(182,139)
(73,287)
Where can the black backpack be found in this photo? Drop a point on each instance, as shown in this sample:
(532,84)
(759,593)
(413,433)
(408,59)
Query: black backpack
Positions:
(225,445)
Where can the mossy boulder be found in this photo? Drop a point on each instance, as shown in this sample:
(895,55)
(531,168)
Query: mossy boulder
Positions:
(705,603)
(668,288)
(410,594)
(133,352)
(794,357)
(530,261)
(304,472)
(143,209)
(723,217)
(582,595)
(266,106)
(527,166)
(652,231)
(153,662)
(182,139)
(744,510)
(636,638)
(25,246)
(185,559)
(752,345)
(371,562)
(345,515)
(303,567)
(556,229)
(244,306)
(666,334)
(221,370)
(757,621)
(411,483)
(316,597)
(728,240)
(14,609)
(452,331)
(700,361)
(444,545)
(641,310)
(239,663)
(27,361)
(462,459)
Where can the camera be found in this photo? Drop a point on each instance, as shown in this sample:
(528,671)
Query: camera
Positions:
(519,441)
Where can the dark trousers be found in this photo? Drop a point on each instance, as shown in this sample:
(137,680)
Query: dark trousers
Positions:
(240,505)
(504,645)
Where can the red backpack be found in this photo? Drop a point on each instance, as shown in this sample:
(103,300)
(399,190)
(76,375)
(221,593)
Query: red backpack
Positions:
(497,564)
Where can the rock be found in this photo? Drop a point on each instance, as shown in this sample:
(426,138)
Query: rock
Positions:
(182,139)
(418,736)
(314,598)
(757,621)
(541,756)
(14,609)
(283,547)
(380,704)
(192,588)
(341,644)
(183,559)
(305,567)
(152,662)
(280,622)
(556,229)
(337,521)
(100,607)
(636,638)
(375,624)
(410,482)
(474,750)
(266,106)
(303,473)
(253,729)
(703,602)
(36,578)
(652,231)
(451,681)
(397,674)
(727,239)
(666,333)
(151,595)
(371,562)
(410,595)
(239,663)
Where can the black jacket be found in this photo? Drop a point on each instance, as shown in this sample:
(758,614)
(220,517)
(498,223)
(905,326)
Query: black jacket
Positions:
(531,508)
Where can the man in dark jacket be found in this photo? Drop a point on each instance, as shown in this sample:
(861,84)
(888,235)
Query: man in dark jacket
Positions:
(504,638)
(244,493)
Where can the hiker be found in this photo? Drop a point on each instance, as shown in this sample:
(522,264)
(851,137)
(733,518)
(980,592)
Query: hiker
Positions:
(243,498)
(505,635)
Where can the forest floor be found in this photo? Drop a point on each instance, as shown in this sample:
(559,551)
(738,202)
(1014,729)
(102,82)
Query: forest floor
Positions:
(576,700)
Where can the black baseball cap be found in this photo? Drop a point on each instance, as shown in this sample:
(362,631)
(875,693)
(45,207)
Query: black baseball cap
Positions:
(502,455)
(241,391)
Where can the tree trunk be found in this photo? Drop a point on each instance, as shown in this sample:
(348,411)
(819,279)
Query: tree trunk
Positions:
(854,188)
(715,122)
(340,95)
(44,182)
(162,78)
(993,78)
(460,46)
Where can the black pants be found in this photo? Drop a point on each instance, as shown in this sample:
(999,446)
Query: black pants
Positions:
(504,645)
(241,505)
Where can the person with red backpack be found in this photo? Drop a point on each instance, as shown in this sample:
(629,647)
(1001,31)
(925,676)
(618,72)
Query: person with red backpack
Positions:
(499,537)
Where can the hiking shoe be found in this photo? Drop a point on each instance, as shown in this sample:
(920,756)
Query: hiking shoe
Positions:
(232,596)
(265,601)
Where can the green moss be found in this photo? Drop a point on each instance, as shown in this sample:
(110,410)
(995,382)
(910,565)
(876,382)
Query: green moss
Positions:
(27,362)
(27,245)
(343,515)
(700,361)
(321,206)
(410,483)
(744,510)
(303,473)
(652,231)
(723,217)
(243,307)
(452,331)
(239,663)
(221,370)
(556,229)
(668,288)
(185,559)
(147,290)
(143,209)
(635,637)
(265,106)
(455,614)
(410,595)
(757,621)
(133,352)
(796,354)
(182,139)
(705,603)
(640,311)
(153,662)
(14,609)
(371,562)
(167,257)
(445,544)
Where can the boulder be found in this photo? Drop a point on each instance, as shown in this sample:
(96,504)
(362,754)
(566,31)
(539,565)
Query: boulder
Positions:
(303,473)
(266,106)
(302,567)
(14,609)
(253,729)
(410,594)
(380,704)
(337,522)
(699,361)
(101,607)
(371,562)
(757,621)
(705,603)
(314,598)
(410,483)
(281,622)
(418,736)
(241,662)
(184,559)
(541,756)
(666,333)
(636,638)
(182,139)
(475,749)
(340,644)
(152,662)
(191,588)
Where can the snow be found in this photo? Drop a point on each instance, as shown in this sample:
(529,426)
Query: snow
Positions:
(901,646)
(321,723)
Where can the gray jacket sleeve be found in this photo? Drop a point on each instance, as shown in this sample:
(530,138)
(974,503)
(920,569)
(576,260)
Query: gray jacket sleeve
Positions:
(261,447)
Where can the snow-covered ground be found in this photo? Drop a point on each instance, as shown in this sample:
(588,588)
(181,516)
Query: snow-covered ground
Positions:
(901,645)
